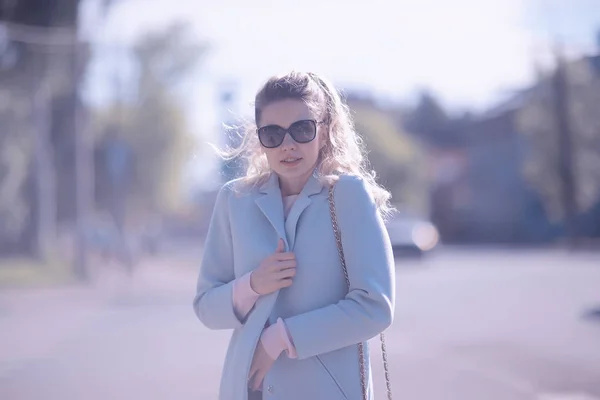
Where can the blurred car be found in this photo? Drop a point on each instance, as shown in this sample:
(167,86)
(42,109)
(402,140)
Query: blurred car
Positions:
(412,235)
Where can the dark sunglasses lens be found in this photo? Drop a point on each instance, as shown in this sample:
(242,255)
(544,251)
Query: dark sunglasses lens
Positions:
(271,136)
(303,131)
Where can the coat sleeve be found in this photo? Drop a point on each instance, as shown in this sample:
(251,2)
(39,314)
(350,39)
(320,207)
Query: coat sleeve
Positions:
(213,302)
(368,308)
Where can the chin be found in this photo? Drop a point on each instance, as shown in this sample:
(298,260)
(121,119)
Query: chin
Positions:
(292,173)
(304,169)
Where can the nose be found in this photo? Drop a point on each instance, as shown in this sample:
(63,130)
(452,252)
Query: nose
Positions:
(288,143)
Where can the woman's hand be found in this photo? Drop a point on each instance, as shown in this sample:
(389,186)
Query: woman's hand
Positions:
(274,272)
(261,364)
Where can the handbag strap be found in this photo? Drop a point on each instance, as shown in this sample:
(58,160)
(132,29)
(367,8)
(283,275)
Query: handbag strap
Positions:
(361,353)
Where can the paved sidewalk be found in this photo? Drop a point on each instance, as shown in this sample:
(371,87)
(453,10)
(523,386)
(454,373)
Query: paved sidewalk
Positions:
(156,276)
(36,322)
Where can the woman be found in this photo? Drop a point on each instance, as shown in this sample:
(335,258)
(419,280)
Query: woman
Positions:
(271,270)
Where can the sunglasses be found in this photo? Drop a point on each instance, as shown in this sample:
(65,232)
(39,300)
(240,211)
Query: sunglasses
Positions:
(302,131)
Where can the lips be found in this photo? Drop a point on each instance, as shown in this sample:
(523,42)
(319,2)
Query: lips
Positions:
(291,160)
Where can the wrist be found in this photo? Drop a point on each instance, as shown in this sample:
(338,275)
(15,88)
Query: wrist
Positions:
(271,341)
(251,284)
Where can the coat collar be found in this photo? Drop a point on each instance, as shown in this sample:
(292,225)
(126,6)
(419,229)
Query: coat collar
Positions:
(271,185)
(270,202)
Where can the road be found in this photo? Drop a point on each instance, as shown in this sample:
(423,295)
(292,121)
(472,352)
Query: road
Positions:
(469,324)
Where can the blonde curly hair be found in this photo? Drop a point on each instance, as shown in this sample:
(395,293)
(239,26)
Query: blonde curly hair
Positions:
(344,151)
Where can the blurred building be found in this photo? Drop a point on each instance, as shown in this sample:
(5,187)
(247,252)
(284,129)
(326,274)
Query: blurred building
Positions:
(498,180)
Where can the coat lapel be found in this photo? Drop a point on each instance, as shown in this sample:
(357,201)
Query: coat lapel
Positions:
(269,201)
(312,187)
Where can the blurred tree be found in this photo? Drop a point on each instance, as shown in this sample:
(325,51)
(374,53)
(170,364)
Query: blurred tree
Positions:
(154,128)
(538,124)
(428,119)
(39,84)
(396,156)
(433,125)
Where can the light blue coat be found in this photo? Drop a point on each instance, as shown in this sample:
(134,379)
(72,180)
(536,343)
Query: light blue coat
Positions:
(325,321)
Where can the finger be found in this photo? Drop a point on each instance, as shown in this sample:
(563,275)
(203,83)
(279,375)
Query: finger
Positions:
(258,379)
(252,382)
(285,282)
(287,264)
(284,256)
(286,273)
(253,370)
(252,378)
(280,246)
(276,266)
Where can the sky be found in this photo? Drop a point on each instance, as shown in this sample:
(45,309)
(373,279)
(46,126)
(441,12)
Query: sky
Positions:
(470,53)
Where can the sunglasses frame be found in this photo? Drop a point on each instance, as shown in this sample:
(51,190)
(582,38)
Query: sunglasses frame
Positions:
(287,131)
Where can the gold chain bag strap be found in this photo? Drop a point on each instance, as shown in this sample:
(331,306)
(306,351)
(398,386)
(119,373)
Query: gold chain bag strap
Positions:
(361,353)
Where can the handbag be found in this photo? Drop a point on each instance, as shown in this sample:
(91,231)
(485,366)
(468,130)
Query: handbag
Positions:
(361,353)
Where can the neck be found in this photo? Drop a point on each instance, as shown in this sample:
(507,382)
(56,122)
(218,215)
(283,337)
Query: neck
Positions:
(292,186)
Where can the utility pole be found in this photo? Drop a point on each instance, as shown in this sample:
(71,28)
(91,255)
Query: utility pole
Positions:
(45,169)
(84,176)
(565,147)
(49,44)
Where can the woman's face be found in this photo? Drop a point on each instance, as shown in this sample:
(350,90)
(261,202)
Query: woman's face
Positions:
(291,138)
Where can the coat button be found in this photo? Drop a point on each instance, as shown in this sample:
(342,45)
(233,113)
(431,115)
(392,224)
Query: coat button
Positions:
(270,389)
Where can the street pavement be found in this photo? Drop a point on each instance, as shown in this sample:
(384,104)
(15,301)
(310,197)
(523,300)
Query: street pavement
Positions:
(470,324)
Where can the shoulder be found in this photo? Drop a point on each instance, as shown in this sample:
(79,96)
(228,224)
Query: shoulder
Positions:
(350,181)
(352,195)
(352,188)
(237,187)
(355,205)
(230,191)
